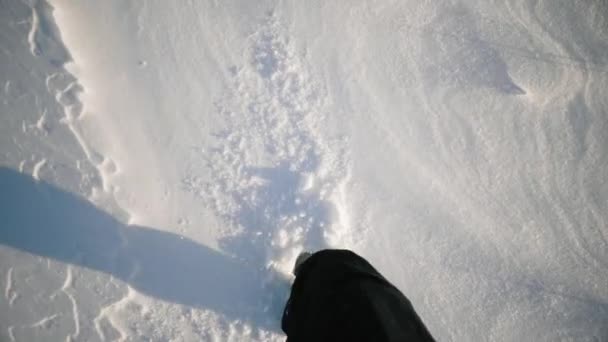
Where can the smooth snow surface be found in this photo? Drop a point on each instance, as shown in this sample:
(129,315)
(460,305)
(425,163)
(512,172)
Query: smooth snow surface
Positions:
(162,163)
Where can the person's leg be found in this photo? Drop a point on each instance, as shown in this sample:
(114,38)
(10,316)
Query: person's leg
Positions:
(299,261)
(334,289)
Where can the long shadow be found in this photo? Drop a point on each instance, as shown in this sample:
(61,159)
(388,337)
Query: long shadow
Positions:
(43,220)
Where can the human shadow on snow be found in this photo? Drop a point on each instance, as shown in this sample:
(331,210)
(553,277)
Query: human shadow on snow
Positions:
(41,219)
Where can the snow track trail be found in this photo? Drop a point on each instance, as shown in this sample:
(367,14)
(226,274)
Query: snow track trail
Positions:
(272,177)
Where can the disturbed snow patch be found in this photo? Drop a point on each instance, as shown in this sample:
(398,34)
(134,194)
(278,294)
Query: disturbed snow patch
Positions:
(274,179)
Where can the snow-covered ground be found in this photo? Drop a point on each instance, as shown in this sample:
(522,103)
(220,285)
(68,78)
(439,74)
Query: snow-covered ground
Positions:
(162,163)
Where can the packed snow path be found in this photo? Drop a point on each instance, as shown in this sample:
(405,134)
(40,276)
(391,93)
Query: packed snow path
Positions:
(162,165)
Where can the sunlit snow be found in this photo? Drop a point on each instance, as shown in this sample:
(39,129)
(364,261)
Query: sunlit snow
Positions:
(162,163)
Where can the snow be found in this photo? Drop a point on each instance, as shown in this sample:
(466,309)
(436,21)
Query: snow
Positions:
(162,165)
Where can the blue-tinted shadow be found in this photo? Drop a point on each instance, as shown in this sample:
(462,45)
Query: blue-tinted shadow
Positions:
(43,220)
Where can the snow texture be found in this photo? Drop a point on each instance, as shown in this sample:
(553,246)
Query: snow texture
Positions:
(163,164)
